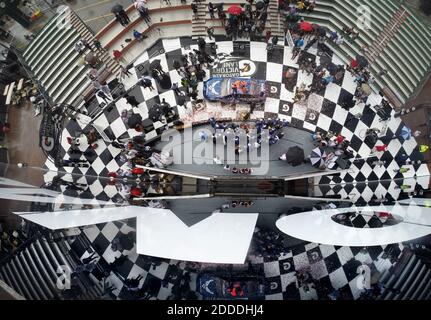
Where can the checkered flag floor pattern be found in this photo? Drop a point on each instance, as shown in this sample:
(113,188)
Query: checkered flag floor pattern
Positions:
(333,267)
(322,112)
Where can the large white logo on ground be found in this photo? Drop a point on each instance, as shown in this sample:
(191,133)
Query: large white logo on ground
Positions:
(234,68)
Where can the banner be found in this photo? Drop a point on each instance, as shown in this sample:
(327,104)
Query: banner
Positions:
(50,131)
(234,67)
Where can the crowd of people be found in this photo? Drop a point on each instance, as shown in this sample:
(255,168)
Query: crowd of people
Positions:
(233,132)
(267,243)
(252,16)
(296,7)
(250,22)
(191,68)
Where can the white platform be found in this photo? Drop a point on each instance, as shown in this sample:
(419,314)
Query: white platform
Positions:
(318,227)
(221,238)
(78,218)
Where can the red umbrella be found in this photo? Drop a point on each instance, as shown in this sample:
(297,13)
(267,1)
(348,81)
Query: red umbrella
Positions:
(306,26)
(234,10)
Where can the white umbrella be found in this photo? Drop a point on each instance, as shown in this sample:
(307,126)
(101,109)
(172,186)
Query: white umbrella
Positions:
(318,157)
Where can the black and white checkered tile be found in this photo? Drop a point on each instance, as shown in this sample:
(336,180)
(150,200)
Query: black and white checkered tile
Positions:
(322,112)
(335,268)
(166,272)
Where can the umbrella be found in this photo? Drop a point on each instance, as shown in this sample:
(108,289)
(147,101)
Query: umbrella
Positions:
(306,26)
(362,61)
(156,64)
(90,58)
(295,156)
(165,108)
(234,10)
(318,157)
(134,120)
(366,88)
(117,8)
(406,133)
(354,64)
(155,113)
(260,5)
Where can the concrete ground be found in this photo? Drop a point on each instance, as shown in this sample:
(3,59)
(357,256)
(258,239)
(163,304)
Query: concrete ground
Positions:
(23,146)
(423,96)
(95,14)
(263,168)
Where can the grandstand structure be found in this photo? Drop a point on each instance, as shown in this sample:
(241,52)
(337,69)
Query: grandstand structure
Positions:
(58,67)
(397,40)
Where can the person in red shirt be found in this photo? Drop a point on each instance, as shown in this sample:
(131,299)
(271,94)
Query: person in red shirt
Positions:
(384,214)
(340,139)
(381,148)
(138,171)
(135,192)
(113,175)
(354,65)
(118,55)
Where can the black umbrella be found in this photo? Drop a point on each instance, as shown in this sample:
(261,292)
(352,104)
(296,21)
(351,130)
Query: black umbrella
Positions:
(165,108)
(155,113)
(362,61)
(295,156)
(117,8)
(134,120)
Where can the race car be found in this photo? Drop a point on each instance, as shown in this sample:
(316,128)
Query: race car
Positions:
(212,287)
(235,90)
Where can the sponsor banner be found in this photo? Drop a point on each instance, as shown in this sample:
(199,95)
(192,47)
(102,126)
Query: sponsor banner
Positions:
(235,67)
(50,131)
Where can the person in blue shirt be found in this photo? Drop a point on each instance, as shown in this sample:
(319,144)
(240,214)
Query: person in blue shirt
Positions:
(138,36)
(329,79)
(297,49)
(333,36)
(299,43)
